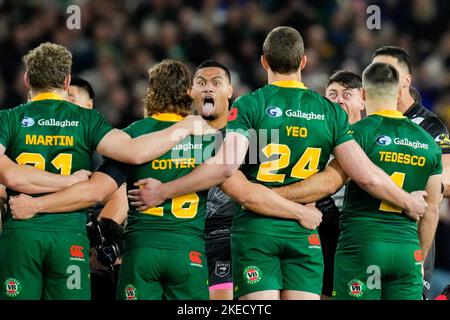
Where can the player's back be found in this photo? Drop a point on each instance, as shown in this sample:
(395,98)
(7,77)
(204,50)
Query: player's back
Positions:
(181,218)
(53,135)
(296,130)
(405,152)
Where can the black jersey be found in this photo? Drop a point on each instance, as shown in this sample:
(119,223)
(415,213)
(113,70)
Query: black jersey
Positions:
(428,121)
(219,212)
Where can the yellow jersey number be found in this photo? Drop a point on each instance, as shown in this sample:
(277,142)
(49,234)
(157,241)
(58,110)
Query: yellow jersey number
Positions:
(62,161)
(183,207)
(306,166)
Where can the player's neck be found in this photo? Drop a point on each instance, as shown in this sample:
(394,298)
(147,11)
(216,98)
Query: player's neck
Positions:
(220,122)
(405,102)
(274,77)
(376,105)
(61,92)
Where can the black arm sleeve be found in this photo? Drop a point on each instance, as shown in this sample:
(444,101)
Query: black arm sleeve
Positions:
(439,132)
(116,170)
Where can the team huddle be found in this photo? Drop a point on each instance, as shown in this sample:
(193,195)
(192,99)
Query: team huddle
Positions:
(282,194)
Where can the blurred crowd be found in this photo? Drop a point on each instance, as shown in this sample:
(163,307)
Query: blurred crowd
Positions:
(120,40)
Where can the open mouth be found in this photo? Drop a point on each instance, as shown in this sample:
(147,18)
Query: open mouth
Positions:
(208,106)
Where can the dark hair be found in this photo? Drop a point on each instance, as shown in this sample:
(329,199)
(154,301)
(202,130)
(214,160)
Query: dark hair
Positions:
(400,54)
(380,79)
(84,84)
(169,83)
(415,94)
(213,64)
(47,66)
(283,49)
(347,79)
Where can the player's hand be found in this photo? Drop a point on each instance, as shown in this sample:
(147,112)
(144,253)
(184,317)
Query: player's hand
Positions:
(310,218)
(150,194)
(417,205)
(198,126)
(80,176)
(23,207)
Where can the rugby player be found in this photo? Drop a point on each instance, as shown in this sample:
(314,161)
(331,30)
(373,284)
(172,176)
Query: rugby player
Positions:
(53,134)
(274,258)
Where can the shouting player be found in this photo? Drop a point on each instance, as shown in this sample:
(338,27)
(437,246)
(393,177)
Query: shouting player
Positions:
(211,91)
(164,254)
(53,134)
(296,131)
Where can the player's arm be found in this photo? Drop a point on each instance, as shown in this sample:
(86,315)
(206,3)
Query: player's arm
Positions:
(446,174)
(375,181)
(262,200)
(118,145)
(211,173)
(27,179)
(428,223)
(3,197)
(116,207)
(316,187)
(79,196)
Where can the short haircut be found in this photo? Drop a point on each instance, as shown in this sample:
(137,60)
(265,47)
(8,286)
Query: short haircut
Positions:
(213,64)
(47,66)
(402,56)
(84,84)
(283,49)
(415,94)
(169,84)
(347,79)
(380,79)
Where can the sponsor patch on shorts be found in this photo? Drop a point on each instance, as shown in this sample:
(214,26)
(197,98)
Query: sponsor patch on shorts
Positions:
(252,274)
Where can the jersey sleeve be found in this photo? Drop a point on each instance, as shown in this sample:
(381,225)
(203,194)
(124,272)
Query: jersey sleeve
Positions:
(5,128)
(98,128)
(437,167)
(116,170)
(439,132)
(342,131)
(242,116)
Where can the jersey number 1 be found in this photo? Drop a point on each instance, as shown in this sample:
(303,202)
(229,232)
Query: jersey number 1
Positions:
(399,180)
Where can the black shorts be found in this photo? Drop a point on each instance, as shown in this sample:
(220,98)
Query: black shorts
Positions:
(218,254)
(329,235)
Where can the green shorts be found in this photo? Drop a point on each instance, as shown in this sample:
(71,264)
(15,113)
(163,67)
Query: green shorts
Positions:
(273,263)
(44,265)
(374,270)
(163,274)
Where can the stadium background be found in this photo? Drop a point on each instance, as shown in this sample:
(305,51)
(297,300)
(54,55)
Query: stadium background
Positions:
(120,40)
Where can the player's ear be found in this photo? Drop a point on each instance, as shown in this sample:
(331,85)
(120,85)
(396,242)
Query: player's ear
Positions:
(408,80)
(229,91)
(90,104)
(67,80)
(26,80)
(303,61)
(363,93)
(362,100)
(264,62)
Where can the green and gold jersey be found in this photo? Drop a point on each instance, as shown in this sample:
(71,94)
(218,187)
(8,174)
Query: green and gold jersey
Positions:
(410,156)
(179,222)
(292,131)
(53,135)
